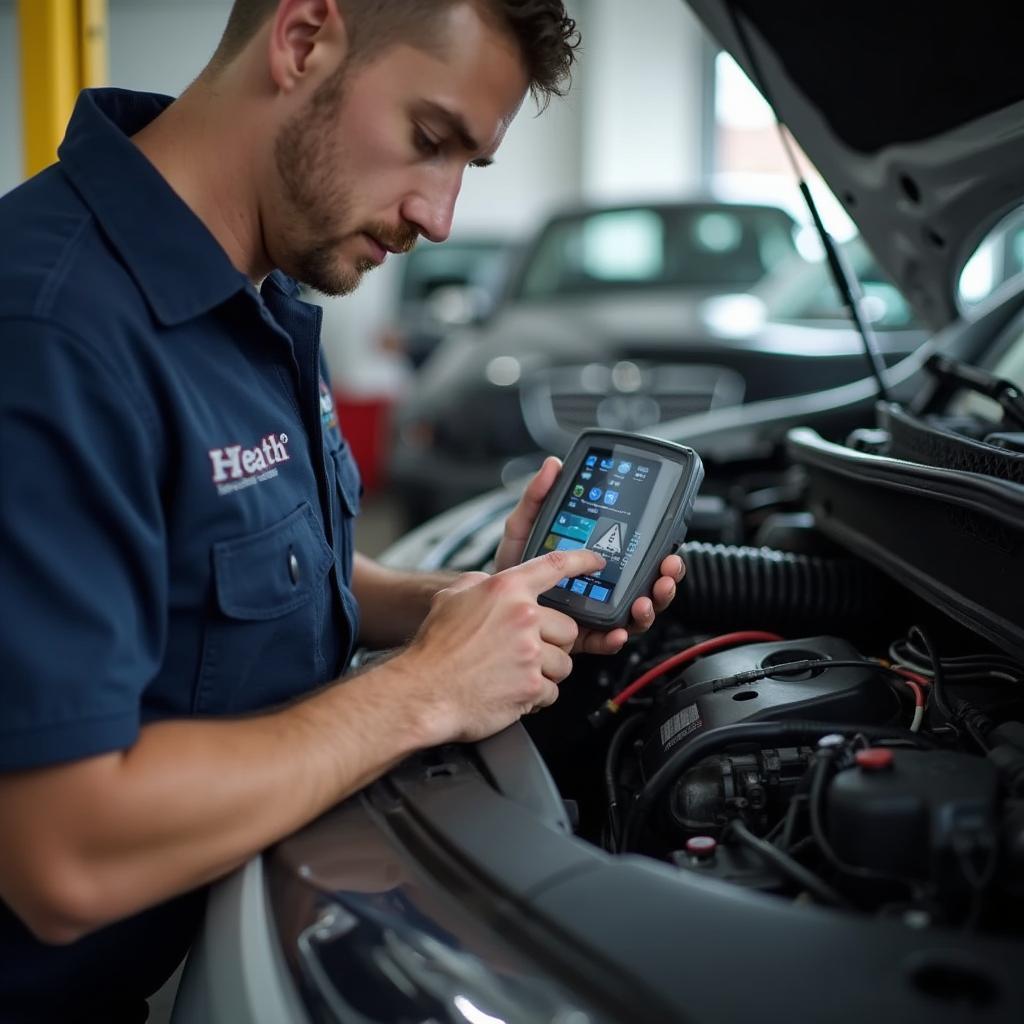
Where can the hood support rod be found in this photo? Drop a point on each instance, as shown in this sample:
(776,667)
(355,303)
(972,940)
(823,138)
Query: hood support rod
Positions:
(845,280)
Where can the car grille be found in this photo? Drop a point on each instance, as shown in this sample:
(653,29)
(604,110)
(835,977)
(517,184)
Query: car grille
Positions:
(558,403)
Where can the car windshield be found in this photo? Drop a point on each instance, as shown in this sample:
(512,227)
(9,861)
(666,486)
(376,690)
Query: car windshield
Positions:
(710,247)
(801,290)
(428,267)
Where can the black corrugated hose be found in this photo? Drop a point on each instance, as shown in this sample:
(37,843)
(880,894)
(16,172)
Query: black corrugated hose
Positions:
(728,584)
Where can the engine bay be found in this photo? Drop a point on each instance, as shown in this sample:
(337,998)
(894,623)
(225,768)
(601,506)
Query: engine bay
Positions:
(800,724)
(812,761)
(804,769)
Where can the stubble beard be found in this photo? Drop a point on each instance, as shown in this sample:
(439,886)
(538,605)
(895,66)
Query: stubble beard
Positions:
(307,153)
(317,207)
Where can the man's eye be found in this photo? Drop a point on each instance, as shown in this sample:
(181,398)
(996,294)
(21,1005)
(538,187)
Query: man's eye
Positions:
(425,144)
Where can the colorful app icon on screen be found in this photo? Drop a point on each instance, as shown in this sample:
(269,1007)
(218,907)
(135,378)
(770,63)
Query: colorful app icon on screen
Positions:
(567,544)
(595,494)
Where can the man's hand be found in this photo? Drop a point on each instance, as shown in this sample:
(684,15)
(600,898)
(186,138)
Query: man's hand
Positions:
(590,641)
(489,653)
(392,602)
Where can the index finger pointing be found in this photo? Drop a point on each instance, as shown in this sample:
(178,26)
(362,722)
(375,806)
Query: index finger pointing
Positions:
(544,571)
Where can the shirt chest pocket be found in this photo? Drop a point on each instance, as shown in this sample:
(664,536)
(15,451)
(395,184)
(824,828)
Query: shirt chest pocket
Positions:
(268,635)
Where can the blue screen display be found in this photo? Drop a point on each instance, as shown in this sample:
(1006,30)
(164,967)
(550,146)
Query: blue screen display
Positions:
(602,511)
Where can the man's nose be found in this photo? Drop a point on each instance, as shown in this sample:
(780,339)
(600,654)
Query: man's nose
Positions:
(432,208)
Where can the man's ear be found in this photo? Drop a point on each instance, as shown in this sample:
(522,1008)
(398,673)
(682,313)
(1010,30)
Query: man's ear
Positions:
(308,42)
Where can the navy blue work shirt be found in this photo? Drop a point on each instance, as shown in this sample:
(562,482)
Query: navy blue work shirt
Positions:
(176,505)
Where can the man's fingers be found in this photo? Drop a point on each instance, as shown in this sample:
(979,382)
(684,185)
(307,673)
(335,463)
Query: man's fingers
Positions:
(464,582)
(555,664)
(520,521)
(663,593)
(544,571)
(674,567)
(546,699)
(523,516)
(595,642)
(643,615)
(558,629)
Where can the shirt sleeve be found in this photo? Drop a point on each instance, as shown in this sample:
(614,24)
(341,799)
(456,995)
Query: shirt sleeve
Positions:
(82,552)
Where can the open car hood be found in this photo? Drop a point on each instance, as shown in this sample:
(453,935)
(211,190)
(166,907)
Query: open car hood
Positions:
(913,113)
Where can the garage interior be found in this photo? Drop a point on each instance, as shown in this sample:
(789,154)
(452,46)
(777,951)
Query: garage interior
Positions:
(800,784)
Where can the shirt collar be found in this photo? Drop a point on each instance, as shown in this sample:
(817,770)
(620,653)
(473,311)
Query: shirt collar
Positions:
(180,268)
(279,281)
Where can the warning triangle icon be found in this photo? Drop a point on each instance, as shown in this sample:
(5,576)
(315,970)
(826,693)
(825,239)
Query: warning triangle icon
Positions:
(610,542)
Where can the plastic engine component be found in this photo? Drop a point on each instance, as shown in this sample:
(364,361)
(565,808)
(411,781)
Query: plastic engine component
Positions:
(701,698)
(928,815)
(756,786)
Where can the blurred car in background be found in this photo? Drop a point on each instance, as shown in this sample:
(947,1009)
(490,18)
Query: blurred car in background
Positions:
(800,293)
(628,318)
(591,285)
(443,286)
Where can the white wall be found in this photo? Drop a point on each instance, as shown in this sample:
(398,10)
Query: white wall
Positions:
(642,94)
(538,166)
(161,45)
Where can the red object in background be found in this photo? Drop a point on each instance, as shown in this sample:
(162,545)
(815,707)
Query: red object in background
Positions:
(365,422)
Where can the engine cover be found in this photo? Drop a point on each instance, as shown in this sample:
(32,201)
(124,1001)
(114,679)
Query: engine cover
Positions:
(697,701)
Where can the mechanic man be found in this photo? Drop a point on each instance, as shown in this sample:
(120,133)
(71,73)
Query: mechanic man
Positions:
(176,500)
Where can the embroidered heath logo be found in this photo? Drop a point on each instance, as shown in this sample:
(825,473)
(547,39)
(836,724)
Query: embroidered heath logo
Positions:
(234,467)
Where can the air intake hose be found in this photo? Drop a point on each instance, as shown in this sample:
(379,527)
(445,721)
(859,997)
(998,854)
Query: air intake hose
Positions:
(727,584)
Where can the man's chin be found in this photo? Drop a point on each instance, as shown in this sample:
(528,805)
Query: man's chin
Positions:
(334,281)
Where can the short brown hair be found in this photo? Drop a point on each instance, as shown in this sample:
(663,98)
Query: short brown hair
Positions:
(546,35)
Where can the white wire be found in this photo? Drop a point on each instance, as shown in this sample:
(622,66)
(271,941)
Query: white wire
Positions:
(904,662)
(915,722)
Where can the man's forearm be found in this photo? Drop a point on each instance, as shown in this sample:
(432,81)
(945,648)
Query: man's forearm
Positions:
(91,841)
(191,800)
(393,604)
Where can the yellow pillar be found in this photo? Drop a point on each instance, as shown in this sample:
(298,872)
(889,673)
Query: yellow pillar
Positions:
(63,49)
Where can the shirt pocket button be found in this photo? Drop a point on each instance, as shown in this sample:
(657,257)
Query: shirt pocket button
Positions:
(293,567)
